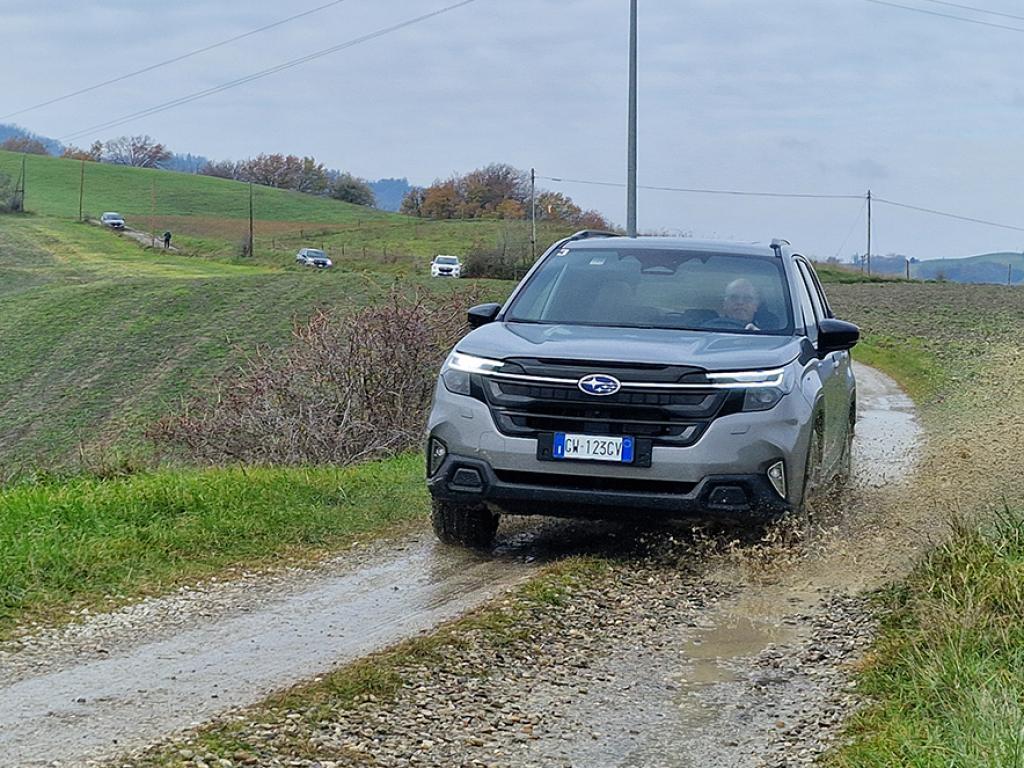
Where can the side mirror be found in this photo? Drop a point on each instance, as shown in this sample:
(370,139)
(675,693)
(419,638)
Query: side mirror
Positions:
(482,314)
(836,336)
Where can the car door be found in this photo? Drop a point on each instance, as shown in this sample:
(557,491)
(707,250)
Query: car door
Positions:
(833,371)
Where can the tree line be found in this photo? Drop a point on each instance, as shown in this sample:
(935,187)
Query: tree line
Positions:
(496,191)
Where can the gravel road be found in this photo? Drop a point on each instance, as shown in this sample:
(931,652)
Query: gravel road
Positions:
(677,660)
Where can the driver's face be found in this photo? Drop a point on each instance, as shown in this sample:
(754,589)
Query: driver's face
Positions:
(740,304)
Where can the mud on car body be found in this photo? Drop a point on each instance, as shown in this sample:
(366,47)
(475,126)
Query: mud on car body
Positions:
(643,377)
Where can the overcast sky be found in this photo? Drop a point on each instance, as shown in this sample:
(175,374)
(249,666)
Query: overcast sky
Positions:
(824,96)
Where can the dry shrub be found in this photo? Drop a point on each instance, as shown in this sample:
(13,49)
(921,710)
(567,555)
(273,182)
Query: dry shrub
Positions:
(351,387)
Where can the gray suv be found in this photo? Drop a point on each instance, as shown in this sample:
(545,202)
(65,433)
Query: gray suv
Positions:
(651,377)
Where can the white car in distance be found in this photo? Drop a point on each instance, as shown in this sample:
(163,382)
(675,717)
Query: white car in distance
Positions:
(446,266)
(313,257)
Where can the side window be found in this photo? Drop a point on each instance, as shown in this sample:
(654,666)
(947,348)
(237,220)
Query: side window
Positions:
(803,297)
(819,307)
(820,292)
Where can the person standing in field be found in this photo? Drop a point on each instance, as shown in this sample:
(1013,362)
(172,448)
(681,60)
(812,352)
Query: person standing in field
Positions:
(167,239)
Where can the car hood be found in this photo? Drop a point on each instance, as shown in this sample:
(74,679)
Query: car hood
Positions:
(711,351)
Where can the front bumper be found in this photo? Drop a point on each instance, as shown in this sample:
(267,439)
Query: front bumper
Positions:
(734,454)
(465,480)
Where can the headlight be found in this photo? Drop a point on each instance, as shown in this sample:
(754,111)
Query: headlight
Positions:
(762,399)
(762,389)
(459,368)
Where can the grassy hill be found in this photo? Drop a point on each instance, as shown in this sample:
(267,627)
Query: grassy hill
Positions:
(983,268)
(99,336)
(210,216)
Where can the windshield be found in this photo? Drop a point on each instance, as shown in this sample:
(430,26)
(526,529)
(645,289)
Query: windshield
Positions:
(658,288)
(315,254)
(446,260)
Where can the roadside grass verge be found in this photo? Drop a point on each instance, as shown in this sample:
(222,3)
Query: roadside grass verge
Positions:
(87,542)
(945,682)
(498,628)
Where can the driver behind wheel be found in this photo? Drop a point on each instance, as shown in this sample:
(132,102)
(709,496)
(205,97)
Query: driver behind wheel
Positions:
(741,302)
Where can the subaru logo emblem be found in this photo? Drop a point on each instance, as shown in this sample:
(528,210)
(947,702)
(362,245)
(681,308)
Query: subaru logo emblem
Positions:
(599,384)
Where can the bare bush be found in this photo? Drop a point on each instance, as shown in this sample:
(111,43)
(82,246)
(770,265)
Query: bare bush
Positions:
(350,388)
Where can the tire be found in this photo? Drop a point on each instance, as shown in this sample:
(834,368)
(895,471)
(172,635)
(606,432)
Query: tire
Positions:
(845,471)
(812,471)
(463,525)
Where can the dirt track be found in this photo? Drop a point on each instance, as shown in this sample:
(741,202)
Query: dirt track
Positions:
(116,683)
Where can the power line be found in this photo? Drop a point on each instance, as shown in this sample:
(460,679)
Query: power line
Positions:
(735,192)
(803,195)
(860,215)
(975,9)
(947,215)
(946,15)
(173,60)
(264,73)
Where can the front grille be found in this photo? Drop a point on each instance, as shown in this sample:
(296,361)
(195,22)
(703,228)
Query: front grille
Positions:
(527,409)
(594,483)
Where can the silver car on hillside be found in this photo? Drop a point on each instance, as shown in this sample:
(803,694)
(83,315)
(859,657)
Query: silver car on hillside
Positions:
(644,377)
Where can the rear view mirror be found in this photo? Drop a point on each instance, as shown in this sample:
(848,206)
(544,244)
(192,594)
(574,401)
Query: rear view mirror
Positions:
(482,314)
(836,336)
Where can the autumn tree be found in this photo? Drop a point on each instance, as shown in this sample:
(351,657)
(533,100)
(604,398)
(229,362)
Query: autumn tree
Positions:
(93,154)
(442,200)
(496,191)
(312,178)
(412,203)
(222,169)
(136,151)
(25,145)
(350,189)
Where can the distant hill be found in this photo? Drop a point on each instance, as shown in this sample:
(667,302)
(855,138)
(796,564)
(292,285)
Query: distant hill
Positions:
(9,131)
(390,192)
(982,268)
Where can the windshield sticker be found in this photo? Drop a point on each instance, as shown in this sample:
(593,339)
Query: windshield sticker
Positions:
(563,252)
(597,261)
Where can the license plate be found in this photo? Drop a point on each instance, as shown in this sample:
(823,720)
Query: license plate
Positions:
(593,448)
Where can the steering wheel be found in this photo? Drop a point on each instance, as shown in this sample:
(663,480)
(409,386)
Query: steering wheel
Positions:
(725,322)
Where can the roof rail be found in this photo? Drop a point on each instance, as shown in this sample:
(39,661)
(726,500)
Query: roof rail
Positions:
(586,234)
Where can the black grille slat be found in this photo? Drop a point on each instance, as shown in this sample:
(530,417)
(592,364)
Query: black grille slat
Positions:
(528,409)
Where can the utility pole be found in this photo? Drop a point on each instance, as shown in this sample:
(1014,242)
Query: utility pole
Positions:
(252,242)
(19,188)
(908,268)
(533,214)
(868,232)
(81,191)
(152,213)
(1009,273)
(631,149)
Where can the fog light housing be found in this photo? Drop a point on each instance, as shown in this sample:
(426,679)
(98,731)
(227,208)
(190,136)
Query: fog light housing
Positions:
(436,454)
(777,477)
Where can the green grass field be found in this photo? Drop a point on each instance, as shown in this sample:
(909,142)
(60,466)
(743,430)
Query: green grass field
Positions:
(81,541)
(99,336)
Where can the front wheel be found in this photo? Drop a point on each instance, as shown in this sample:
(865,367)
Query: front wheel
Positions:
(812,472)
(463,525)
